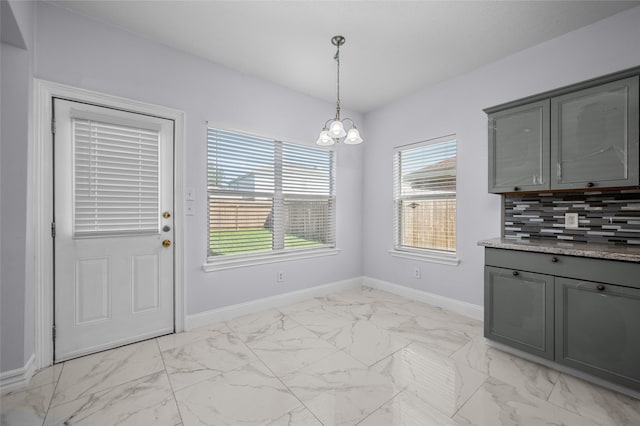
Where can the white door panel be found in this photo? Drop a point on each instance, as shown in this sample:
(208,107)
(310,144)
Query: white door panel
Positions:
(113,180)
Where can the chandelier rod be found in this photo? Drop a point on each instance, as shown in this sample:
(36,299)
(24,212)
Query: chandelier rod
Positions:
(337,41)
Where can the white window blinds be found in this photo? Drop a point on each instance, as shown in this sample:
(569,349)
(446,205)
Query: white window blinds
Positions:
(268,196)
(116,181)
(425,196)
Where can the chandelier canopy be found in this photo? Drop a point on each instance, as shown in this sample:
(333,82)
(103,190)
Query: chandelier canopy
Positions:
(335,128)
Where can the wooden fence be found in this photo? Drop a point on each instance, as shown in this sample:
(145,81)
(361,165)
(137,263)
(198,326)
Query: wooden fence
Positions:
(430,224)
(239,215)
(303,218)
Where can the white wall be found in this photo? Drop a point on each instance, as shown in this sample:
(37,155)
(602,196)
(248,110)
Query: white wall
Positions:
(73,50)
(455,106)
(16,266)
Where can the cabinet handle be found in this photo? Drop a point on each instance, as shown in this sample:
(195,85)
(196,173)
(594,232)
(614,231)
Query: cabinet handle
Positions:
(590,185)
(516,188)
(600,287)
(554,259)
(515,273)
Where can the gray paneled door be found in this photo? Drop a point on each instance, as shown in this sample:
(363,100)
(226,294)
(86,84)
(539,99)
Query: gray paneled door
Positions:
(598,329)
(594,139)
(519,148)
(519,309)
(113,181)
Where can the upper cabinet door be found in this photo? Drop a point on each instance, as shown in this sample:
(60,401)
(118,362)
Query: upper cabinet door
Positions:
(519,148)
(594,137)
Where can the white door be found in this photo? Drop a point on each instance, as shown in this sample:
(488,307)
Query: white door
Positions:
(113,213)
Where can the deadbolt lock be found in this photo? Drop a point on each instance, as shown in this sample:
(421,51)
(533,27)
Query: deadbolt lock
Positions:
(166,215)
(166,243)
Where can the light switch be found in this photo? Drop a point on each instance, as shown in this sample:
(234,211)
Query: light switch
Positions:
(189,210)
(190,194)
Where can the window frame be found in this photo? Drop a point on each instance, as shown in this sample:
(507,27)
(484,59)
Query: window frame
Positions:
(221,262)
(416,253)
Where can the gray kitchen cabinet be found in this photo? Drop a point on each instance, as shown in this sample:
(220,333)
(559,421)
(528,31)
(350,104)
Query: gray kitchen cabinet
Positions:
(519,148)
(594,136)
(580,312)
(598,329)
(578,137)
(519,310)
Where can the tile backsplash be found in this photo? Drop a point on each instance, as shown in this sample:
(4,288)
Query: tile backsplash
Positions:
(611,217)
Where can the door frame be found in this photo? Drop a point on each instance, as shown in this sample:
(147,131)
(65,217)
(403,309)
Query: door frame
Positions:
(42,199)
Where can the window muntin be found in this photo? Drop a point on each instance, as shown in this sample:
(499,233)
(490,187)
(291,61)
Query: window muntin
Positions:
(268,196)
(424,194)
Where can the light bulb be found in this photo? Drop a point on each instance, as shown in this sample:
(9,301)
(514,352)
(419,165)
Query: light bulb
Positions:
(353,137)
(325,139)
(336,129)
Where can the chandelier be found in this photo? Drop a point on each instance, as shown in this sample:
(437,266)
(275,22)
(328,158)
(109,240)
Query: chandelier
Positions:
(334,128)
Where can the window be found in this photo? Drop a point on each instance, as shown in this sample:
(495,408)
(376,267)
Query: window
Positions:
(424,194)
(116,178)
(267,196)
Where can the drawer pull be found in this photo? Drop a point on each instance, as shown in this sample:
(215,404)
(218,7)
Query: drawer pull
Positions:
(590,185)
(515,273)
(516,188)
(554,259)
(600,287)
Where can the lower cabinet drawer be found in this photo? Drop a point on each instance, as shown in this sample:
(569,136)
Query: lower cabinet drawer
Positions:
(519,310)
(598,329)
(582,268)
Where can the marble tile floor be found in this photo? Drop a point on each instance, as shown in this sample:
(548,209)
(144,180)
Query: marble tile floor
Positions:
(357,357)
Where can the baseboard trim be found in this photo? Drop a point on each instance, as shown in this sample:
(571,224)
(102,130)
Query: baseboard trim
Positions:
(228,312)
(457,306)
(19,378)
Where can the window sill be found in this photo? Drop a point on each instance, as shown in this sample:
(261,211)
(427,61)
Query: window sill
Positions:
(431,256)
(213,265)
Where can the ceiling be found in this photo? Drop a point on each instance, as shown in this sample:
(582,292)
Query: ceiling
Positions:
(392,47)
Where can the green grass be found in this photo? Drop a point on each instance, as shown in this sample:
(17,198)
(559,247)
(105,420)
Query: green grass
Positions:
(251,240)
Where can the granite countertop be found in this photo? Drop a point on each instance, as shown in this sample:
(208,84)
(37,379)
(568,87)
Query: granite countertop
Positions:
(599,251)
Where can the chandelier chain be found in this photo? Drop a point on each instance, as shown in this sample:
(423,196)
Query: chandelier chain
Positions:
(337,58)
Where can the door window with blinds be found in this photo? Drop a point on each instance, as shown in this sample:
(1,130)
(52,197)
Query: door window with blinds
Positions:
(268,196)
(116,177)
(424,194)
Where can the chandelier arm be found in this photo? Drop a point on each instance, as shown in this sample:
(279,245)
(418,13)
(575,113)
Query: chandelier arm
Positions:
(353,124)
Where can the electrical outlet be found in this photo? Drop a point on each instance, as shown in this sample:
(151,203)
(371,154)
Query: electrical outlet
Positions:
(416,273)
(280,277)
(571,220)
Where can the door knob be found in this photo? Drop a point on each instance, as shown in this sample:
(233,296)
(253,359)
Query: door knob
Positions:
(166,215)
(166,243)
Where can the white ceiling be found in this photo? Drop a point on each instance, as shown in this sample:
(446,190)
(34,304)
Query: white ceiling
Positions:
(392,47)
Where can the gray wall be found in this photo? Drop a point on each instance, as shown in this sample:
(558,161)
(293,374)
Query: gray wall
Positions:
(231,100)
(455,106)
(16,266)
(65,52)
